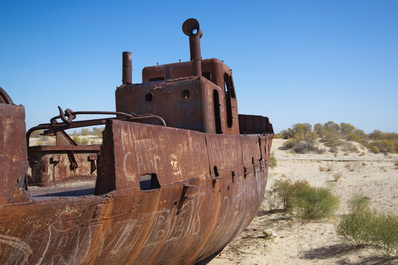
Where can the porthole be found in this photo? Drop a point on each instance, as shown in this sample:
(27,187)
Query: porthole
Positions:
(148,97)
(186,94)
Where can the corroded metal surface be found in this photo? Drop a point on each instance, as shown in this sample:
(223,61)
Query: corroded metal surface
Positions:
(13,154)
(254,124)
(52,164)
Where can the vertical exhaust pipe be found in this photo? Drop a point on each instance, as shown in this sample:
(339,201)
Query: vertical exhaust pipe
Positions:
(191,28)
(127,68)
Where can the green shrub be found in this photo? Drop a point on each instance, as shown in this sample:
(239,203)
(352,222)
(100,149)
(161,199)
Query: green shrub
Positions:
(315,203)
(80,140)
(385,236)
(356,226)
(373,148)
(287,191)
(284,191)
(305,201)
(331,140)
(378,135)
(98,131)
(366,227)
(385,146)
(346,128)
(299,131)
(353,137)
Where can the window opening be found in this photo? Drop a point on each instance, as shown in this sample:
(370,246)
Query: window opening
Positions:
(149,182)
(207,75)
(228,94)
(217,118)
(159,78)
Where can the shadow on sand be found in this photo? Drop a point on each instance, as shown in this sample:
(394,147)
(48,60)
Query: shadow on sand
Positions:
(339,250)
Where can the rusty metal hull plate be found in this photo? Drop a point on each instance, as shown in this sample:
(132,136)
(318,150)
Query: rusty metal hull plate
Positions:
(13,156)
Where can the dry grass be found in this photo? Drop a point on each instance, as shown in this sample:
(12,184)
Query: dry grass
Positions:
(337,176)
(352,166)
(330,168)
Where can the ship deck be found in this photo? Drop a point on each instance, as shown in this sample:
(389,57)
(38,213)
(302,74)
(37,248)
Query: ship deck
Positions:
(64,190)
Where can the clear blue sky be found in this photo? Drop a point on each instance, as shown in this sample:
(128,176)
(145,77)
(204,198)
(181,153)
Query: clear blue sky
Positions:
(293,61)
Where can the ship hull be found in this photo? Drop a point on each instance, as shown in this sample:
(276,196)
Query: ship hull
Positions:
(209,188)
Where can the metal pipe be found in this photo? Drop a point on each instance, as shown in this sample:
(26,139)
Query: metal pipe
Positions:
(191,28)
(127,68)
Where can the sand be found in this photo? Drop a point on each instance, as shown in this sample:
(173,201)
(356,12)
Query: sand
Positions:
(316,242)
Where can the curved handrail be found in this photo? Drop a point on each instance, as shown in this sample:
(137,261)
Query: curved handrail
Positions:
(68,116)
(4,97)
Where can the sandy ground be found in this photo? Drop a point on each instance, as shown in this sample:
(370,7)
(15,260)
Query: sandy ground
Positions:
(316,242)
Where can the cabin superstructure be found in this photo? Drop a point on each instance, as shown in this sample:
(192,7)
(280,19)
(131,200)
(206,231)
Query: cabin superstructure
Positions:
(196,95)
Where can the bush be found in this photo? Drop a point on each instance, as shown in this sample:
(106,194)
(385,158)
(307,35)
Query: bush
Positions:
(299,131)
(386,234)
(315,203)
(353,137)
(355,227)
(331,140)
(304,147)
(98,131)
(373,148)
(366,227)
(349,147)
(385,146)
(304,136)
(284,190)
(378,135)
(353,166)
(305,201)
(80,140)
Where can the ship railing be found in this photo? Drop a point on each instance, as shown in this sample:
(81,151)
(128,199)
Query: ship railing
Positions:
(68,116)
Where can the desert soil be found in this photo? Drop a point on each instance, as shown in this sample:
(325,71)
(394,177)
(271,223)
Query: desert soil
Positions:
(317,242)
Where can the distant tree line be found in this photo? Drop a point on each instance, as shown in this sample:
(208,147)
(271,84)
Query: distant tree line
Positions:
(303,136)
(95,131)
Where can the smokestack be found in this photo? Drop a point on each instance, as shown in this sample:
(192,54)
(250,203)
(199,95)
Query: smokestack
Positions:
(127,68)
(191,28)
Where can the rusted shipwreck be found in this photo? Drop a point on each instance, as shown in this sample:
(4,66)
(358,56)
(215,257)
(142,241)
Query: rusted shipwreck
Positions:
(170,187)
